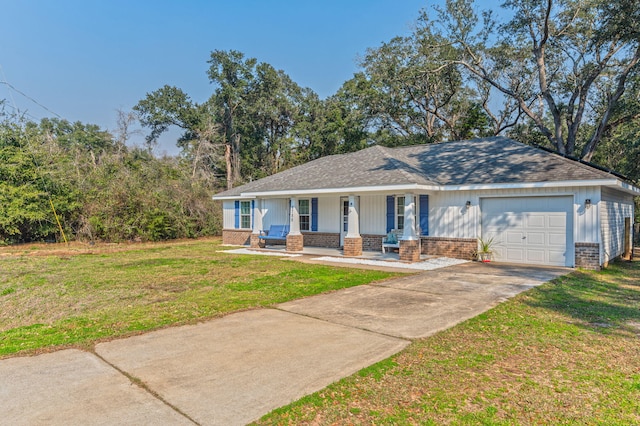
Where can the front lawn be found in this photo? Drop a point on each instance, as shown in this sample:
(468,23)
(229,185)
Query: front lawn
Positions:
(567,352)
(55,295)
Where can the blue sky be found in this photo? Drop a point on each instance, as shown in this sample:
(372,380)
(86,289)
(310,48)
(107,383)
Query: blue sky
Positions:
(85,59)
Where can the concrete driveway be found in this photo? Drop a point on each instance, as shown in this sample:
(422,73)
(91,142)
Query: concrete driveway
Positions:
(232,370)
(418,306)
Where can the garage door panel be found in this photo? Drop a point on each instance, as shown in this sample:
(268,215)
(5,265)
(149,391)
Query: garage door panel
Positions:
(514,255)
(534,230)
(535,256)
(557,221)
(535,220)
(536,238)
(556,257)
(556,240)
(515,237)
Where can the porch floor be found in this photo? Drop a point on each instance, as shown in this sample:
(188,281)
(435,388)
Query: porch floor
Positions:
(337,252)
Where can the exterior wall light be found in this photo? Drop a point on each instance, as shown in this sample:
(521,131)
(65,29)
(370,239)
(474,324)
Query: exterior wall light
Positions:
(587,203)
(468,204)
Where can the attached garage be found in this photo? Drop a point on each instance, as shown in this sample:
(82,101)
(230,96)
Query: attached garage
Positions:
(535,230)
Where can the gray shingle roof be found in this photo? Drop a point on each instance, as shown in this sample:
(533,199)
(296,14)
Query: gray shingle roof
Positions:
(479,161)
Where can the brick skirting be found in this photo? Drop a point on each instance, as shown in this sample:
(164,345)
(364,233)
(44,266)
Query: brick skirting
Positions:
(588,255)
(237,237)
(352,246)
(321,239)
(457,248)
(372,242)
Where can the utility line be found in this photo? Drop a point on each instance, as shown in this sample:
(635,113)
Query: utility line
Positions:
(35,160)
(12,87)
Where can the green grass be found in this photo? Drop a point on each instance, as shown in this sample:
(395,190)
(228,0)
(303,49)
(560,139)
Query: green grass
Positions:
(567,352)
(55,296)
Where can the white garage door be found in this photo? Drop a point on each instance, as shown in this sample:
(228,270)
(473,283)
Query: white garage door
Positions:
(534,230)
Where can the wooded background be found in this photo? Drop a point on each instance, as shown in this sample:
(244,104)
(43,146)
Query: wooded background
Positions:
(562,74)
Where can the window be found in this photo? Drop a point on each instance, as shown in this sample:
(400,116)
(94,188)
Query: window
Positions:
(399,213)
(304,211)
(245,214)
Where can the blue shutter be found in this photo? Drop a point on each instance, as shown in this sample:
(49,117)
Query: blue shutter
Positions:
(314,214)
(391,214)
(424,214)
(253,212)
(237,214)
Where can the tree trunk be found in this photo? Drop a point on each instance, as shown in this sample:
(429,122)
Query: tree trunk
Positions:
(227,160)
(235,156)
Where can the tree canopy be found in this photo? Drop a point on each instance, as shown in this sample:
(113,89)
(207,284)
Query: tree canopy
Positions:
(564,74)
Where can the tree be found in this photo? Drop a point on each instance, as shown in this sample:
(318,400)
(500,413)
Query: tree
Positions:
(170,106)
(569,60)
(31,169)
(413,92)
(233,77)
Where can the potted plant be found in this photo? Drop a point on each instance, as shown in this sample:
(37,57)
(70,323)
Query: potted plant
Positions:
(484,252)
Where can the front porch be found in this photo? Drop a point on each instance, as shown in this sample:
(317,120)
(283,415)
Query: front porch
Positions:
(347,226)
(305,229)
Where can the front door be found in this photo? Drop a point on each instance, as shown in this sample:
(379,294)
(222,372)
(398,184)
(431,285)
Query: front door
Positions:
(344,218)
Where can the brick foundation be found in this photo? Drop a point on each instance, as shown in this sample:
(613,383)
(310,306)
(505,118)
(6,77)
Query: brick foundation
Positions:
(295,242)
(237,237)
(352,247)
(372,242)
(457,248)
(409,250)
(321,239)
(255,241)
(588,255)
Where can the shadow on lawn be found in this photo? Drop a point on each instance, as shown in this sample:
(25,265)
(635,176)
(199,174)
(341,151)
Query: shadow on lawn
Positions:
(600,301)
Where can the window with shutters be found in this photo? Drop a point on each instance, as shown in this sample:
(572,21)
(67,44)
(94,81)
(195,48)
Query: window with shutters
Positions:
(245,214)
(304,211)
(399,213)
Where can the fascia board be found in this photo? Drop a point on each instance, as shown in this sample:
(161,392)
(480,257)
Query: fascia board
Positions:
(341,191)
(623,186)
(529,185)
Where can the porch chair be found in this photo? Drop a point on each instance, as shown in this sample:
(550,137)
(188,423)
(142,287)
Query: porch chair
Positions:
(391,240)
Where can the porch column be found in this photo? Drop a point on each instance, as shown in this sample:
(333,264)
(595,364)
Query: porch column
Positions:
(410,242)
(295,240)
(257,223)
(353,240)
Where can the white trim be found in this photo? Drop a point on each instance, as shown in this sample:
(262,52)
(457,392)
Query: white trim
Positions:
(623,186)
(628,188)
(241,215)
(529,185)
(341,191)
(310,214)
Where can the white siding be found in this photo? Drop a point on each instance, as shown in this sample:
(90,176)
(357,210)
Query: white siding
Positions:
(614,208)
(373,214)
(329,214)
(228,214)
(275,211)
(449,216)
(587,221)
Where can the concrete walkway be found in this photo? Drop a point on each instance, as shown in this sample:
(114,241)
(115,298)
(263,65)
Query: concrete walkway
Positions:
(232,370)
